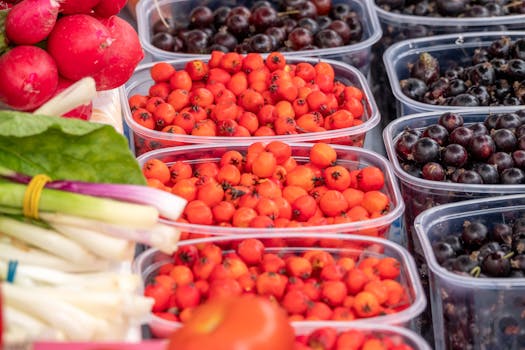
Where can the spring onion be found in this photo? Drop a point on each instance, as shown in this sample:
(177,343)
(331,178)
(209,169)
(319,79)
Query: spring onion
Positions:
(99,281)
(74,322)
(169,206)
(104,246)
(21,326)
(47,240)
(15,250)
(107,210)
(161,236)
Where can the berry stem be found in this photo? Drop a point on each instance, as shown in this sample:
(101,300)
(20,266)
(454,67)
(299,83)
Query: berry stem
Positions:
(475,272)
(162,19)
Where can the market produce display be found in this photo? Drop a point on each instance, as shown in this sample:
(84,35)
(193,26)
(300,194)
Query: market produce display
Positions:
(241,209)
(49,44)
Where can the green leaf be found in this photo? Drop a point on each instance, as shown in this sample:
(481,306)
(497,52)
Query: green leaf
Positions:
(3,38)
(66,148)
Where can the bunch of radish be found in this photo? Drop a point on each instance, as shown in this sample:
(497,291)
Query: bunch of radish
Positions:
(53,43)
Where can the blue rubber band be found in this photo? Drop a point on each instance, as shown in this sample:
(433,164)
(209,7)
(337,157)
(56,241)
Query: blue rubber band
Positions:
(11,270)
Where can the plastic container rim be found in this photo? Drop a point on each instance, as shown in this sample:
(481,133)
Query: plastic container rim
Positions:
(386,219)
(403,19)
(368,125)
(371,16)
(423,220)
(418,305)
(406,333)
(411,44)
(389,138)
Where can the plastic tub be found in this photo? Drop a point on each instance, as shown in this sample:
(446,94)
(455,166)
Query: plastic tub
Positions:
(398,26)
(420,194)
(143,139)
(396,334)
(147,263)
(349,157)
(356,54)
(469,312)
(446,48)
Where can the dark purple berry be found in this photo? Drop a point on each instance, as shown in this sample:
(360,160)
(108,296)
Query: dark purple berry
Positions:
(464,263)
(201,17)
(450,120)
(502,233)
(454,155)
(450,8)
(413,88)
(425,150)
(474,233)
(465,100)
(508,121)
(482,146)
(496,265)
(478,129)
(436,132)
(505,140)
(501,160)
(482,74)
(327,38)
(518,157)
(489,174)
(433,171)
(469,177)
(443,252)
(512,176)
(461,135)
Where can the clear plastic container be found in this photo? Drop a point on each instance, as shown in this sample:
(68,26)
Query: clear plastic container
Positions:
(349,157)
(469,312)
(398,26)
(454,48)
(420,194)
(396,334)
(142,138)
(148,263)
(357,54)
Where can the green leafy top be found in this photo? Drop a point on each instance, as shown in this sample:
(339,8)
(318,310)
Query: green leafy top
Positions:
(3,38)
(66,149)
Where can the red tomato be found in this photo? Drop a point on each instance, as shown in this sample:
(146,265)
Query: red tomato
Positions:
(242,322)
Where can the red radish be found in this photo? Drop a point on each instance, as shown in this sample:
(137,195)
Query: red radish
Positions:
(31,21)
(124,54)
(79,44)
(29,77)
(70,7)
(108,8)
(81,112)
